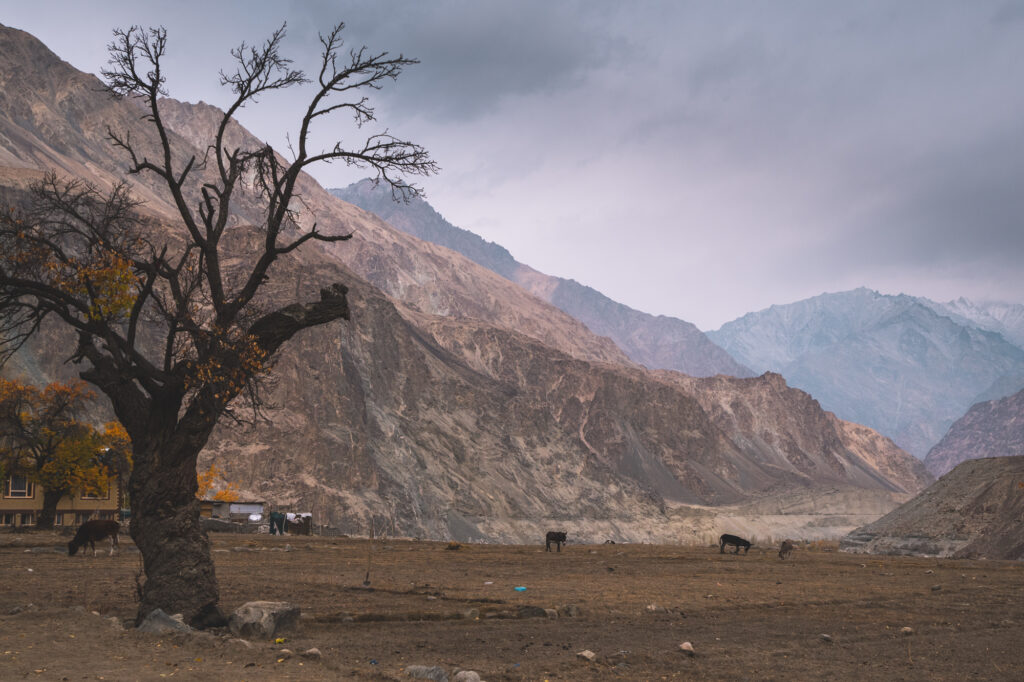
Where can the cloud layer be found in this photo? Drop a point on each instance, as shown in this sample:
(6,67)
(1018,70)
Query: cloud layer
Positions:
(694,159)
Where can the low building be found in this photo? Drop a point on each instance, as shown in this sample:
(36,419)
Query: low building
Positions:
(22,501)
(240,511)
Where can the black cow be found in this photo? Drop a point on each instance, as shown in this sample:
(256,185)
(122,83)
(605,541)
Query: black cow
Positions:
(91,532)
(555,536)
(734,540)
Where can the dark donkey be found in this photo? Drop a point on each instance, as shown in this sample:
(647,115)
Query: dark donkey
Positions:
(557,537)
(92,531)
(738,542)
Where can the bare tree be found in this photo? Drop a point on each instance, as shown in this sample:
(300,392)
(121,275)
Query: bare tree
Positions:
(162,329)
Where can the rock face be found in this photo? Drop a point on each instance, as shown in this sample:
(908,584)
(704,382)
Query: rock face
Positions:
(657,342)
(426,414)
(990,429)
(974,511)
(889,362)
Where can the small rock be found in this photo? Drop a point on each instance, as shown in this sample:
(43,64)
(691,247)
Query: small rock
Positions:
(906,631)
(312,654)
(115,623)
(929,572)
(531,612)
(587,654)
(569,611)
(936,588)
(285,653)
(826,638)
(471,614)
(21,609)
(427,672)
(687,649)
(264,619)
(159,623)
(467,676)
(431,597)
(551,613)
(654,608)
(242,643)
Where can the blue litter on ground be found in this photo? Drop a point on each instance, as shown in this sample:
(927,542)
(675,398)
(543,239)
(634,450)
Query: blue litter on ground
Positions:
(519,589)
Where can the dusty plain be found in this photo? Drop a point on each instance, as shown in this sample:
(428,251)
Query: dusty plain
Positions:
(819,615)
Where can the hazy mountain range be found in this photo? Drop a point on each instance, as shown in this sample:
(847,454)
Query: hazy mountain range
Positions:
(654,341)
(455,403)
(899,364)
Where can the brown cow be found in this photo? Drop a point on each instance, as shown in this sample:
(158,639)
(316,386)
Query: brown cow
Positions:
(786,549)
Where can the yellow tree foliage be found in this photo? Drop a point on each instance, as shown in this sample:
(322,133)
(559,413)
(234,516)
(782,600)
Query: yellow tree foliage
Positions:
(42,439)
(207,486)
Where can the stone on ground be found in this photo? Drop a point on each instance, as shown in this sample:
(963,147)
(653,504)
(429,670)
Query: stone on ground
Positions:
(264,619)
(159,623)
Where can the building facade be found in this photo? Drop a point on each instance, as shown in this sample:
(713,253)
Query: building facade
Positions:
(22,501)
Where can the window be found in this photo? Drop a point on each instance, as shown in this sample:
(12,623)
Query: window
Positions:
(7,519)
(28,519)
(18,486)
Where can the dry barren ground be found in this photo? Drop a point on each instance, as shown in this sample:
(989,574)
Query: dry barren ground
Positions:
(747,617)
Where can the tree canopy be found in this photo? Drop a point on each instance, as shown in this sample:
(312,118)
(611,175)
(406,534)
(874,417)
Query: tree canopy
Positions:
(42,439)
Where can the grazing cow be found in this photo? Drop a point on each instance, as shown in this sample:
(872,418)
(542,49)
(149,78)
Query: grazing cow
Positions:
(734,540)
(786,549)
(557,537)
(92,531)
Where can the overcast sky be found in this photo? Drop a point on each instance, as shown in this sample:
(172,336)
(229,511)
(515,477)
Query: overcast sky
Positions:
(700,160)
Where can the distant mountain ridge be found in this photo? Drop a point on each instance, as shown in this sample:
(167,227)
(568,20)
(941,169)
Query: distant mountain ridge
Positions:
(657,342)
(994,428)
(994,316)
(898,364)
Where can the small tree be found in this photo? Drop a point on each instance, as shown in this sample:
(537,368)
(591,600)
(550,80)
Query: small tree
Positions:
(42,439)
(164,328)
(207,481)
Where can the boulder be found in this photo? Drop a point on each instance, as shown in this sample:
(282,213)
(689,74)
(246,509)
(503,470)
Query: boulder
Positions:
(427,672)
(159,623)
(264,619)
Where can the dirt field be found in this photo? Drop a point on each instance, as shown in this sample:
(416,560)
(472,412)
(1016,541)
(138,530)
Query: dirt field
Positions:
(820,615)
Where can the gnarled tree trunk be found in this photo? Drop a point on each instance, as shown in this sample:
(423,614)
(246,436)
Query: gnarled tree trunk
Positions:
(165,526)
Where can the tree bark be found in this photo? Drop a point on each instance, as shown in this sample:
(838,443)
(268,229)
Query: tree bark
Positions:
(165,526)
(51,498)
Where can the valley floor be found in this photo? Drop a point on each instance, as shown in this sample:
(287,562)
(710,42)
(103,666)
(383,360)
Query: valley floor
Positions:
(747,617)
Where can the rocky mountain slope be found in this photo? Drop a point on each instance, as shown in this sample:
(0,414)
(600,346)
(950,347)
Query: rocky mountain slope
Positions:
(426,414)
(655,341)
(889,362)
(990,429)
(442,427)
(974,511)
